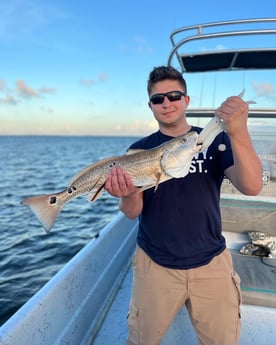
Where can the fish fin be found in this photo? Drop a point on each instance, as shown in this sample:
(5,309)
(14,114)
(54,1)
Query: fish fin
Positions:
(132,151)
(158,176)
(148,186)
(89,167)
(46,208)
(94,195)
(155,185)
(97,189)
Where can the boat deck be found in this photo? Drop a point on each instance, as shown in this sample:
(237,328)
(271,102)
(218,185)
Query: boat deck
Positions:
(114,327)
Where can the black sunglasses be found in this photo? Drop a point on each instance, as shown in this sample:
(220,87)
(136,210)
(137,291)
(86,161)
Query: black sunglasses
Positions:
(172,96)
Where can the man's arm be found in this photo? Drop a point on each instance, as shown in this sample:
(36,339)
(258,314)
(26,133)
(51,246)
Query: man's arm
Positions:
(246,173)
(119,184)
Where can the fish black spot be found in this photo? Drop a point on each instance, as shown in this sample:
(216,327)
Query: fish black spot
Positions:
(71,189)
(53,200)
(112,164)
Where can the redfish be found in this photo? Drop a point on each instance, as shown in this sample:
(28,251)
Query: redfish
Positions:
(147,169)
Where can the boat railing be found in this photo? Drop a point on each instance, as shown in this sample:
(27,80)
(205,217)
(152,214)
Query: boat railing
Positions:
(224,59)
(253,113)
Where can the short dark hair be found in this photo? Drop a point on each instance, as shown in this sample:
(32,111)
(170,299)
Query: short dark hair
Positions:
(165,72)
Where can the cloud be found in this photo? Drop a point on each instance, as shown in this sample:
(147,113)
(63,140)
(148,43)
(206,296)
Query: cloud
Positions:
(24,90)
(9,100)
(101,76)
(46,110)
(2,85)
(216,48)
(141,45)
(263,89)
(87,82)
(138,45)
(47,90)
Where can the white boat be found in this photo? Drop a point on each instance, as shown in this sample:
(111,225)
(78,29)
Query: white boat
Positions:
(86,302)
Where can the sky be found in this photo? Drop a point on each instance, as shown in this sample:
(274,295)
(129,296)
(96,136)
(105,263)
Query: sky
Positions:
(81,67)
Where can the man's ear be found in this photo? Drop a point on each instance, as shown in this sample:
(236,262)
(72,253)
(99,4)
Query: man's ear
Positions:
(187,98)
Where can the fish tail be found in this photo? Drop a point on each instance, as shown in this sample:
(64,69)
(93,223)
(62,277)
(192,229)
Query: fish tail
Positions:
(46,208)
(241,96)
(209,132)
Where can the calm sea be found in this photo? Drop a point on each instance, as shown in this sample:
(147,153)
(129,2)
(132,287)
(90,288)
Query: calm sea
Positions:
(38,165)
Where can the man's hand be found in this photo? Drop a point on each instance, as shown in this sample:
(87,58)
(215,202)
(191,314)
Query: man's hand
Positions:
(234,113)
(119,183)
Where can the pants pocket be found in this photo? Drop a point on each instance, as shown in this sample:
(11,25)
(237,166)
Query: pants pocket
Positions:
(237,282)
(132,320)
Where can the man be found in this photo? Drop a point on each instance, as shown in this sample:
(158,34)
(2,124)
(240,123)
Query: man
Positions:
(181,256)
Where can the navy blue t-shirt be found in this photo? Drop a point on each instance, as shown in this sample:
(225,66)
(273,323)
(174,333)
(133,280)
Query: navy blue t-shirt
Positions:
(180,224)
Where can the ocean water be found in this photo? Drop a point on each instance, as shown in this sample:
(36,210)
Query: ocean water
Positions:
(39,165)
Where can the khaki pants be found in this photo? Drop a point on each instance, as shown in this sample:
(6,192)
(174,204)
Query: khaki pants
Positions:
(211,294)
